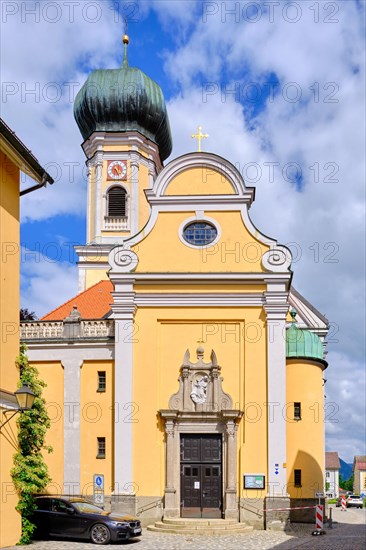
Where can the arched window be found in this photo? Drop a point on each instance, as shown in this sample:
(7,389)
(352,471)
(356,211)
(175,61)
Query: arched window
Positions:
(116,202)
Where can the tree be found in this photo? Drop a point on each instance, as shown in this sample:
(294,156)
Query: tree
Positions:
(347,485)
(26,315)
(30,472)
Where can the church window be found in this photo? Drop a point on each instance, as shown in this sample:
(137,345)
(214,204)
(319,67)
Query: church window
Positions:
(101,447)
(297,478)
(101,381)
(116,202)
(200,233)
(297,411)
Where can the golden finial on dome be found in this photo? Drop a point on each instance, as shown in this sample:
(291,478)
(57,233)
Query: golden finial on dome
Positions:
(125,40)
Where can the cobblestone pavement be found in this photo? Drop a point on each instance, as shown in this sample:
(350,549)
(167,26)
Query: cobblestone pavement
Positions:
(348,533)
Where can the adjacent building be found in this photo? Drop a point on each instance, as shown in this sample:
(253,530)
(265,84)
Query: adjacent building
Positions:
(181,371)
(359,472)
(14,158)
(332,467)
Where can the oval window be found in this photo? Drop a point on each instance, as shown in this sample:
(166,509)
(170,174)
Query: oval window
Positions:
(200,233)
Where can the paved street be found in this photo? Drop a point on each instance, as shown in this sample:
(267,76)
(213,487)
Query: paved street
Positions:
(348,533)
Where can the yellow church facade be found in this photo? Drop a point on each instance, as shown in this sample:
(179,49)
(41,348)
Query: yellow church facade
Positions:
(178,372)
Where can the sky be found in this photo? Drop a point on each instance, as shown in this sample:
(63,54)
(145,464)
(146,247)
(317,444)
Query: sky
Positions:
(279,88)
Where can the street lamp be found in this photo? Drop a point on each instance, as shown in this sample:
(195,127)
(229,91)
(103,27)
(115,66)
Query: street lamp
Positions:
(25,399)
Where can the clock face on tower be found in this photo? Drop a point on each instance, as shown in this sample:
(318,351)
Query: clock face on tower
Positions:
(117,170)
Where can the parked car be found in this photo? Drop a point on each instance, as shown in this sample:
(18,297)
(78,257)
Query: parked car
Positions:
(77,518)
(354,500)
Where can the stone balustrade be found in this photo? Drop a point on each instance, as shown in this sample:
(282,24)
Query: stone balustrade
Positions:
(116,224)
(49,330)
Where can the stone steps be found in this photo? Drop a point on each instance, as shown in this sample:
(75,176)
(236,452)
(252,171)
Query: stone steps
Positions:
(186,526)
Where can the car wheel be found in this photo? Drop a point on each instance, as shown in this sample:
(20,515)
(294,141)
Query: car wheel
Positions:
(100,534)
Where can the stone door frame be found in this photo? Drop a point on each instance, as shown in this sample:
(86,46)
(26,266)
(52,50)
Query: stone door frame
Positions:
(224,423)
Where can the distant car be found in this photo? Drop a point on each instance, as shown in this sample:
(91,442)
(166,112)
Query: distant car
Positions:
(77,518)
(354,500)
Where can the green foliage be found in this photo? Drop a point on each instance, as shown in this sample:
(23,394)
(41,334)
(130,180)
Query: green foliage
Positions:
(347,485)
(30,472)
(327,485)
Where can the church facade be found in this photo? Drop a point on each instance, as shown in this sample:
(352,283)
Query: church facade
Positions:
(180,371)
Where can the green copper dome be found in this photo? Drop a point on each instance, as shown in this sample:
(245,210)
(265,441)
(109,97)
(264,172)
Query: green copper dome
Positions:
(123,100)
(302,343)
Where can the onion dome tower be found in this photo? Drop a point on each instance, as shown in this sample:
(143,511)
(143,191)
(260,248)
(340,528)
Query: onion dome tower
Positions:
(123,100)
(122,117)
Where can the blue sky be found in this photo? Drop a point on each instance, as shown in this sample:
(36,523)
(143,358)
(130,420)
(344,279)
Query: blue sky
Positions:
(301,142)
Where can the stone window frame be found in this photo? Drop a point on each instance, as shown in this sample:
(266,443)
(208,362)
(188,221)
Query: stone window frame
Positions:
(200,217)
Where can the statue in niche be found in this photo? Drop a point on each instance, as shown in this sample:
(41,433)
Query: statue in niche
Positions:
(199,390)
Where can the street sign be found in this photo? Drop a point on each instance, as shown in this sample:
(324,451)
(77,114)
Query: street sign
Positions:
(319,495)
(98,489)
(99,499)
(99,482)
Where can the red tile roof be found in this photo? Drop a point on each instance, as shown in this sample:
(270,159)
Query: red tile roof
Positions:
(332,461)
(94,303)
(359,462)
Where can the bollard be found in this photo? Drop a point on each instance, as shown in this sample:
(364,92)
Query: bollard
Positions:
(319,520)
(330,519)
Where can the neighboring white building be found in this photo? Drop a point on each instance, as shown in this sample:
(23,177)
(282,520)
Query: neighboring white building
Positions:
(332,467)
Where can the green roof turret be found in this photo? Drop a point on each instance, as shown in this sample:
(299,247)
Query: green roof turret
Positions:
(301,343)
(123,100)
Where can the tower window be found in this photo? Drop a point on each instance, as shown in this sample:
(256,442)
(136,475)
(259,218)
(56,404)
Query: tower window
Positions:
(297,410)
(116,202)
(100,447)
(101,380)
(297,478)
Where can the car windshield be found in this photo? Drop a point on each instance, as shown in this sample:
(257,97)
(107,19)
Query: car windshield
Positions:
(87,508)
(355,496)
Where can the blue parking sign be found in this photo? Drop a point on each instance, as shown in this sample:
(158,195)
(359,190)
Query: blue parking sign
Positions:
(99,482)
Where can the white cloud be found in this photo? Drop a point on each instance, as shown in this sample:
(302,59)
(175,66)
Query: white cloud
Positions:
(45,284)
(40,78)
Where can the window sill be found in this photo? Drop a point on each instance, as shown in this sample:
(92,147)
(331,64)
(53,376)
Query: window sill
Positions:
(99,390)
(100,456)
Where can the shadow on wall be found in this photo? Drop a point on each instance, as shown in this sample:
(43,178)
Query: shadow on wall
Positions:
(312,482)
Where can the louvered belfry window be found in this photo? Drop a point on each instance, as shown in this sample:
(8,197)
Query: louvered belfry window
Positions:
(116,207)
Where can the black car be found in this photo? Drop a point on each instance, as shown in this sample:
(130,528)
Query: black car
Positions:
(77,518)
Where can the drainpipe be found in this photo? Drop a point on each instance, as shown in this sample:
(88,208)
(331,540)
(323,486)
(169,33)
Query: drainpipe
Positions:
(46,178)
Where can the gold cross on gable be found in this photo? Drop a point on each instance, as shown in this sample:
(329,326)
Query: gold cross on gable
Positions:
(199,137)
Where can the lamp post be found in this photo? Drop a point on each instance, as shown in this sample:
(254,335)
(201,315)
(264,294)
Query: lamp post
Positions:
(25,399)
